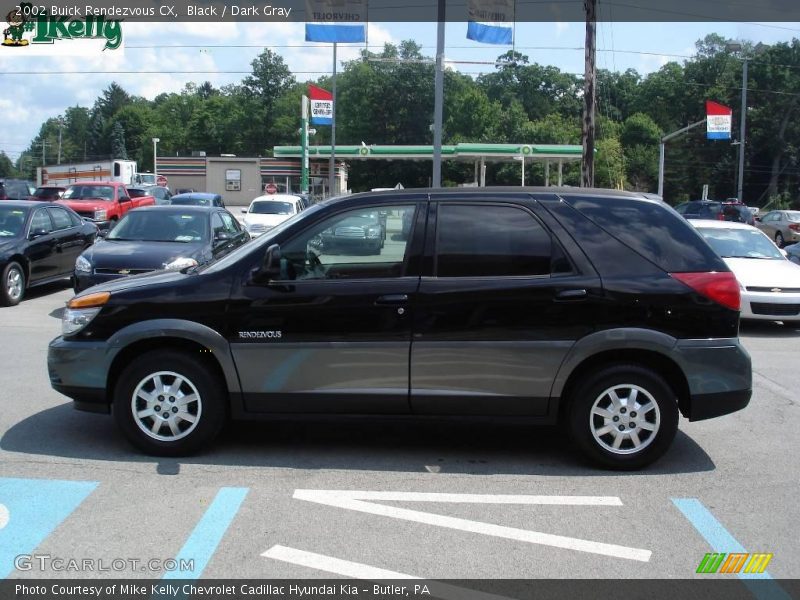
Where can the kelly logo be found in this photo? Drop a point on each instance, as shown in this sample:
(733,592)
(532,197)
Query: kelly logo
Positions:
(46,28)
(736,562)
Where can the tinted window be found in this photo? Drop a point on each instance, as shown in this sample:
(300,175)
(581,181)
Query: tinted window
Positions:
(231,226)
(482,240)
(60,218)
(41,221)
(650,229)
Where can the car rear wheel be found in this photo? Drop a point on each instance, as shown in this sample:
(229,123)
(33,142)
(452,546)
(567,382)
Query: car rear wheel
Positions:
(623,416)
(13,284)
(779,241)
(168,403)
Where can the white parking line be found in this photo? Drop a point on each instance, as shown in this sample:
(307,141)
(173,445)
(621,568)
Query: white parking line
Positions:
(363,501)
(347,568)
(4,516)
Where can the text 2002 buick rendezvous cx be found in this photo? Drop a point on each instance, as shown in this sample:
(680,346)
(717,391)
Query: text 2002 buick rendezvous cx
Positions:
(601,311)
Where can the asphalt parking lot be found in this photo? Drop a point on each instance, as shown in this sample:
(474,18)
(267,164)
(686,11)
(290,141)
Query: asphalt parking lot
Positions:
(296,500)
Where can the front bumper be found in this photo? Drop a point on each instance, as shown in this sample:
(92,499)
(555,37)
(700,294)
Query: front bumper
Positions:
(719,374)
(79,370)
(771,306)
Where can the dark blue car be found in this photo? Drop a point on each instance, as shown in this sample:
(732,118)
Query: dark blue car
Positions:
(159,237)
(197,199)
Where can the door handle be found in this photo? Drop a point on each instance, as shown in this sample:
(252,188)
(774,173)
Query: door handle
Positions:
(392,299)
(572,294)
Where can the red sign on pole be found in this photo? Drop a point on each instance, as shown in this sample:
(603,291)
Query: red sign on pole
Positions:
(321,105)
(271,188)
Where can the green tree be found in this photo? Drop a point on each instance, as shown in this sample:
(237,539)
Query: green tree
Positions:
(6,166)
(118,149)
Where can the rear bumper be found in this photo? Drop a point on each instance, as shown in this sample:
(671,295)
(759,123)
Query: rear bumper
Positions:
(719,375)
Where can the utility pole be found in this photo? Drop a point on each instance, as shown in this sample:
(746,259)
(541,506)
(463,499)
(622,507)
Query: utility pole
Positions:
(44,143)
(304,144)
(742,122)
(332,160)
(438,98)
(589,95)
(60,128)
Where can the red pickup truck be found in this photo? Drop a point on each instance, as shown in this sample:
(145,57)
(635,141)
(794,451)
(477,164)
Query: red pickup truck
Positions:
(104,202)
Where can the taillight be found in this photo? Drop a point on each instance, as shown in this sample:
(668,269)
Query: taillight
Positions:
(720,217)
(718,286)
(794,226)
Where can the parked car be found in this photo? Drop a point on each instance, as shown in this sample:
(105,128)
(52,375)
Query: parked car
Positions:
(49,193)
(783,226)
(770,282)
(184,191)
(197,199)
(141,192)
(361,232)
(158,237)
(712,209)
(266,212)
(104,202)
(16,189)
(39,243)
(160,193)
(793,253)
(535,305)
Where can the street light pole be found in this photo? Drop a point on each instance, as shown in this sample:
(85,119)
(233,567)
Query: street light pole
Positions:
(155,158)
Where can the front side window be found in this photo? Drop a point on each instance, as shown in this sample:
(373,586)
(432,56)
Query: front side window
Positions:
(364,243)
(41,222)
(231,226)
(483,240)
(61,218)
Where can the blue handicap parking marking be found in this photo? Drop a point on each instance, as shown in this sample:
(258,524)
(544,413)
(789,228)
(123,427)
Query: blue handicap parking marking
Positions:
(30,510)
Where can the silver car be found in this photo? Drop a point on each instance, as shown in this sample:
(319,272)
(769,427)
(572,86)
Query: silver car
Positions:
(783,226)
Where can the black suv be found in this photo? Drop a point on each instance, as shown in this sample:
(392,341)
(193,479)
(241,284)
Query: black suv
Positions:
(602,311)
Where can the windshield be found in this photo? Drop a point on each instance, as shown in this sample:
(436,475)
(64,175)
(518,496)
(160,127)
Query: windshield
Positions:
(12,221)
(47,192)
(741,243)
(191,200)
(161,226)
(99,192)
(271,207)
(147,178)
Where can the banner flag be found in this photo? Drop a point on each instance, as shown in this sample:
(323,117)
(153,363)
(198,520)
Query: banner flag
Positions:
(321,105)
(336,21)
(718,121)
(490,21)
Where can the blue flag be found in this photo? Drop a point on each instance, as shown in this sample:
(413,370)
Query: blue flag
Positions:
(489,33)
(328,32)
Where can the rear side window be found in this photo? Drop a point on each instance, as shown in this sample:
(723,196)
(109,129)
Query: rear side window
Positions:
(479,240)
(651,230)
(60,218)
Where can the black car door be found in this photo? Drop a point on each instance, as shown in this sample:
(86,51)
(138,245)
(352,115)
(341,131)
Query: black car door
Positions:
(331,332)
(41,251)
(499,306)
(69,239)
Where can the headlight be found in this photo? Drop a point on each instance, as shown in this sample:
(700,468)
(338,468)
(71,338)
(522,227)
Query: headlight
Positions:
(82,265)
(180,263)
(81,310)
(100,215)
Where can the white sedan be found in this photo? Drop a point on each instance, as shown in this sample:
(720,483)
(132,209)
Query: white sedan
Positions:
(769,282)
(266,212)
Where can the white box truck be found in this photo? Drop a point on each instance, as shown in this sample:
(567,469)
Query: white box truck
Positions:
(122,171)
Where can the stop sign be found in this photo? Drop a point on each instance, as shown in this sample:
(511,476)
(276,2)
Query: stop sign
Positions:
(161,181)
(271,188)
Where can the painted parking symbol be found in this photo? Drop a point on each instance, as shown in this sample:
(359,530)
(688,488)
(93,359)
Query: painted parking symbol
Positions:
(31,511)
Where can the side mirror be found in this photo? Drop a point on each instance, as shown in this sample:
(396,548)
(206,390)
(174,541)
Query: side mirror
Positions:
(222,236)
(102,232)
(36,233)
(272,262)
(244,211)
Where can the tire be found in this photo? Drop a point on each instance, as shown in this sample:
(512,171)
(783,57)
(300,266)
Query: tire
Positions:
(13,284)
(779,241)
(175,436)
(654,429)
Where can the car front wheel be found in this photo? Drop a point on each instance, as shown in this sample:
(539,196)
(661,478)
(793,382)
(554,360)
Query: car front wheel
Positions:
(623,416)
(13,278)
(168,403)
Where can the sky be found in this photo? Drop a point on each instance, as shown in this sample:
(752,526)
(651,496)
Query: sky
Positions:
(45,86)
